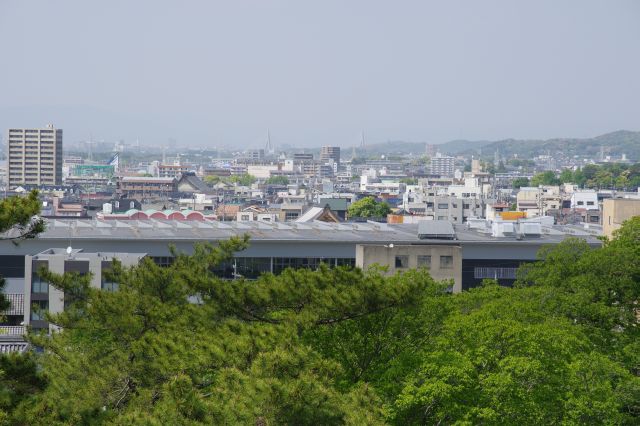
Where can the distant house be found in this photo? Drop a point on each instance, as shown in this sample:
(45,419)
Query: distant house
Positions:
(338,206)
(227,212)
(140,187)
(190,183)
(322,214)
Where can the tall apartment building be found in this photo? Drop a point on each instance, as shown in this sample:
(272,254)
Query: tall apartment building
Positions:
(35,157)
(442,165)
(330,153)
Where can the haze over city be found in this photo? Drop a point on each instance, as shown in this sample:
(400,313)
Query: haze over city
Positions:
(222,73)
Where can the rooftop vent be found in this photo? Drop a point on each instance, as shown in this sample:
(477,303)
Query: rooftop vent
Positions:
(436,230)
(502,229)
(530,229)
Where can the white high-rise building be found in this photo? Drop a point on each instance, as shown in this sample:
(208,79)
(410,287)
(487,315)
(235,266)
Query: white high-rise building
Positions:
(442,165)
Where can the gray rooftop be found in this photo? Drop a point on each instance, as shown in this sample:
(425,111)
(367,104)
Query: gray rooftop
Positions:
(436,229)
(152,229)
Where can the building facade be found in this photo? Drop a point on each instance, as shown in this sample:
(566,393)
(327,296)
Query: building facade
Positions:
(40,297)
(442,165)
(34,157)
(140,188)
(615,211)
(330,153)
(444,262)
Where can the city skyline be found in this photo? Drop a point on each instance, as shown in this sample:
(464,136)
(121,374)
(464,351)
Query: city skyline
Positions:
(216,74)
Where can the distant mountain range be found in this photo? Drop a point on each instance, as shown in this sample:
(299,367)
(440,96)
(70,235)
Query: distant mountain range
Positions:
(615,144)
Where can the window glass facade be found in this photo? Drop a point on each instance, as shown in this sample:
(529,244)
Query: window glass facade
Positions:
(253,267)
(39,309)
(38,285)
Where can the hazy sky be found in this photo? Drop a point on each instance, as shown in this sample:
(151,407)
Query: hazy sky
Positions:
(209,72)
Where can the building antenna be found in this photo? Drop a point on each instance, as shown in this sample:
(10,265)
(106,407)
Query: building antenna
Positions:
(362,145)
(269,147)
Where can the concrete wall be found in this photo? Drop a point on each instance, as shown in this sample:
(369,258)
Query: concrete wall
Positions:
(616,211)
(368,255)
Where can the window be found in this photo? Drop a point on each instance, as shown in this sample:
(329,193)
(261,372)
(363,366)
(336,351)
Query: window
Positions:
(590,203)
(291,215)
(38,285)
(402,261)
(424,261)
(465,206)
(107,284)
(495,273)
(442,218)
(581,203)
(443,206)
(38,310)
(446,262)
(163,261)
(348,262)
(282,263)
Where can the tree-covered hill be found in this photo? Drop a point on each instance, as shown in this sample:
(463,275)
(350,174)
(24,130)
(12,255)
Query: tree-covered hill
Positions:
(614,143)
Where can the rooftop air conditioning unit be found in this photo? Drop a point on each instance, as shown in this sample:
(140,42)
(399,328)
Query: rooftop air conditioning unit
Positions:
(531,229)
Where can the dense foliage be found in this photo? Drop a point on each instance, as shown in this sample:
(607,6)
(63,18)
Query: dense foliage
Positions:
(544,178)
(368,207)
(18,217)
(607,176)
(341,346)
(278,180)
(244,180)
(520,182)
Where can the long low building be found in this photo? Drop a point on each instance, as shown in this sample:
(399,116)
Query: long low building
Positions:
(476,253)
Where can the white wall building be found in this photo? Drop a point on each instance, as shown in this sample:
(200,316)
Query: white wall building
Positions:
(585,200)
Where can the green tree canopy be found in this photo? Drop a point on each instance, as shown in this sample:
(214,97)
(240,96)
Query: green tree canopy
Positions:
(368,207)
(19,215)
(278,180)
(520,182)
(248,352)
(545,178)
(244,180)
(567,176)
(212,180)
(178,345)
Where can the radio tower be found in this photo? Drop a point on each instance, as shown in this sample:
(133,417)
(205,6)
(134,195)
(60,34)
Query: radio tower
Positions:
(269,147)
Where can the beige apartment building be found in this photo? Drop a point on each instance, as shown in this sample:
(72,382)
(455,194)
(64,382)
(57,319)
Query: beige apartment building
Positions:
(34,157)
(536,201)
(615,211)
